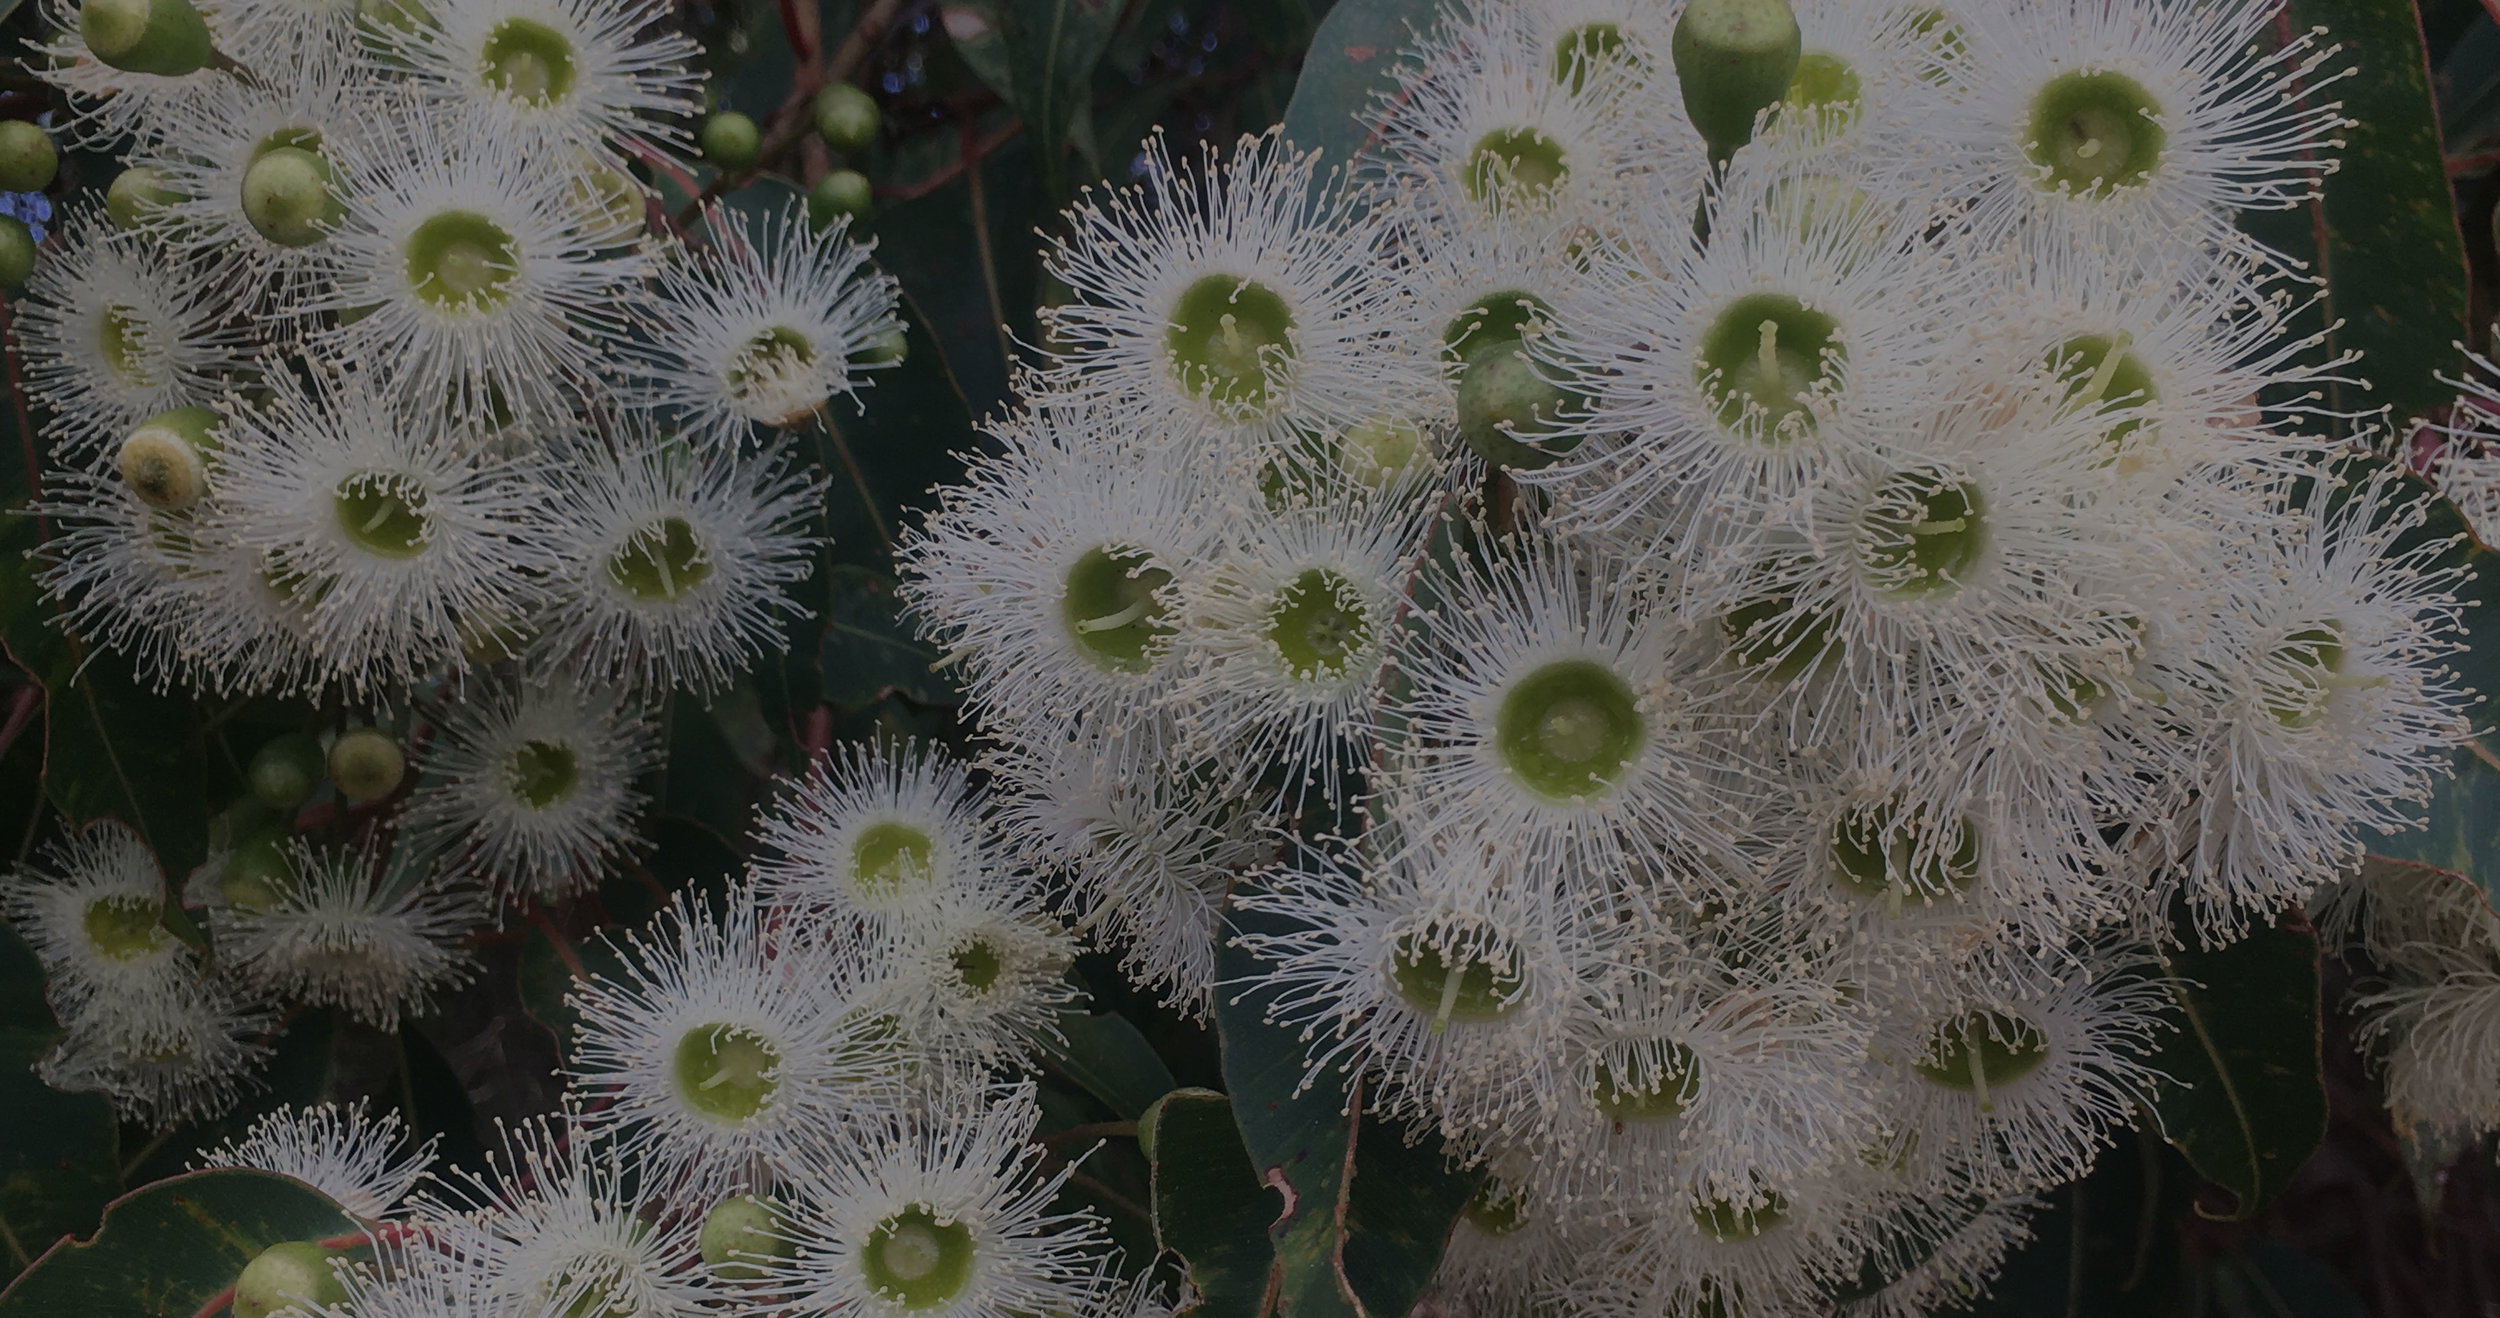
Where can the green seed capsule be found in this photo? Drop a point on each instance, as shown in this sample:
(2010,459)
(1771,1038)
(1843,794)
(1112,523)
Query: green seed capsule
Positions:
(164,37)
(840,194)
(367,764)
(846,117)
(136,195)
(1735,58)
(286,770)
(28,160)
(17,251)
(731,140)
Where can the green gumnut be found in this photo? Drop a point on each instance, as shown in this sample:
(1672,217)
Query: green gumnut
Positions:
(731,140)
(28,160)
(285,771)
(136,195)
(738,1232)
(17,251)
(367,764)
(1504,400)
(257,877)
(842,193)
(164,37)
(1735,58)
(293,1276)
(846,117)
(288,197)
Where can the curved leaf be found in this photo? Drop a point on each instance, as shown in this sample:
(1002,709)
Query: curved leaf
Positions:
(1106,1054)
(1345,72)
(1209,1207)
(2244,1100)
(166,1249)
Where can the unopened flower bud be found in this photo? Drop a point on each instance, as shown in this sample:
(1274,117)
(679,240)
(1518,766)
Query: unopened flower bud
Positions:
(1735,58)
(164,37)
(165,460)
(846,117)
(367,764)
(28,160)
(844,192)
(288,197)
(731,140)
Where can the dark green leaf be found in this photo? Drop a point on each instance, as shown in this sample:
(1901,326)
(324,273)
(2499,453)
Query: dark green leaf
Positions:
(1345,75)
(1106,1054)
(57,1184)
(869,649)
(2464,833)
(1052,47)
(2392,259)
(1297,1136)
(1209,1207)
(1400,1208)
(165,1249)
(2244,1101)
(971,285)
(887,459)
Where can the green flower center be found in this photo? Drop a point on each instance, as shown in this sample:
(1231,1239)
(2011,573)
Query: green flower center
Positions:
(1825,86)
(1886,850)
(1515,167)
(1502,316)
(383,513)
(527,61)
(727,1073)
(1480,985)
(1921,534)
(662,563)
(1111,610)
(1584,51)
(124,928)
(1728,1224)
(1981,1051)
(762,372)
(887,856)
(542,773)
(915,1260)
(1496,1209)
(2097,373)
(2304,674)
(1673,1088)
(123,340)
(1764,357)
(1568,730)
(462,261)
(1318,624)
(2095,133)
(1226,338)
(978,964)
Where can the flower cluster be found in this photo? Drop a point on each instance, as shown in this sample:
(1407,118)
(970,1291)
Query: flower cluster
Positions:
(1711,641)
(800,1097)
(379,379)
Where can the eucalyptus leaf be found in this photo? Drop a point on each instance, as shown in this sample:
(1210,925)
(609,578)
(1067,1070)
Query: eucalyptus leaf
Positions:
(1209,1206)
(166,1249)
(2384,236)
(1107,1055)
(1347,74)
(2243,1097)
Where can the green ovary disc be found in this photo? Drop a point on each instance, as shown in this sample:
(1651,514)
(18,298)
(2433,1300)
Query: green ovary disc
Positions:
(1764,357)
(662,563)
(462,261)
(384,514)
(1922,534)
(1478,987)
(1985,1049)
(1569,730)
(1516,167)
(1111,611)
(726,1073)
(1318,624)
(528,61)
(916,1261)
(2094,133)
(1227,338)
